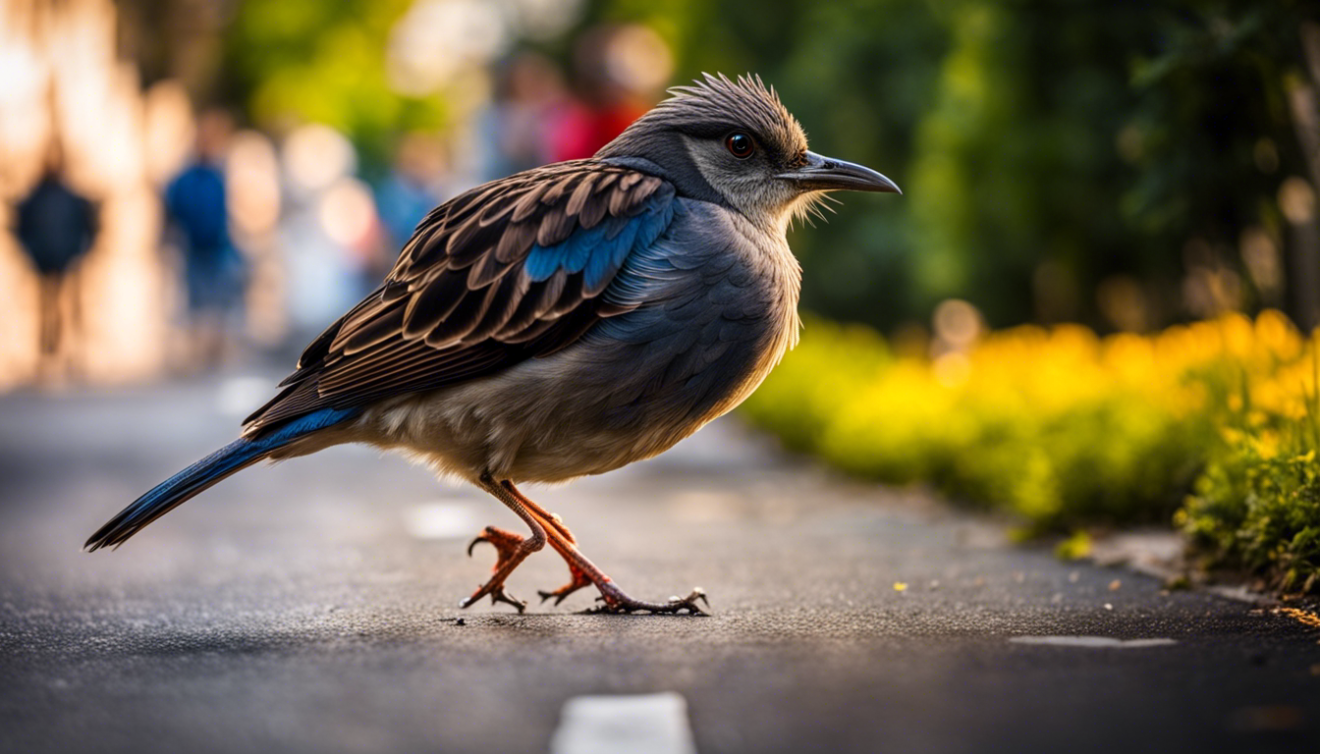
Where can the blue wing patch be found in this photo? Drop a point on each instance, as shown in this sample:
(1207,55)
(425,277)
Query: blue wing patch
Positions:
(600,251)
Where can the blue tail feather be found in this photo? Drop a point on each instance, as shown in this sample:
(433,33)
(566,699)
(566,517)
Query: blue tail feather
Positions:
(200,476)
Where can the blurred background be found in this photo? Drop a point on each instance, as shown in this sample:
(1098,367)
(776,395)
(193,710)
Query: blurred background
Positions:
(187,185)
(1125,165)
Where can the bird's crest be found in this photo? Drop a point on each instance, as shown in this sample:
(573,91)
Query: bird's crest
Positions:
(717,101)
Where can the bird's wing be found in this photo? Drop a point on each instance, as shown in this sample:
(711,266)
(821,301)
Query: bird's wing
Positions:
(511,270)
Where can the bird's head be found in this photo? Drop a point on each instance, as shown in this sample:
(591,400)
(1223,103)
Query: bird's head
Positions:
(734,142)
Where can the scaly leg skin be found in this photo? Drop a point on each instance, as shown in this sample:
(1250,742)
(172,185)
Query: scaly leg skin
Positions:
(584,572)
(577,578)
(508,547)
(506,544)
(513,548)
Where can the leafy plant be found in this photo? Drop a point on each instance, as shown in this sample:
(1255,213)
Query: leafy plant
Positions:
(1065,429)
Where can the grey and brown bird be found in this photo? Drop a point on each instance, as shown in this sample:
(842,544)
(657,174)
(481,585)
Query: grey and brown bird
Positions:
(563,321)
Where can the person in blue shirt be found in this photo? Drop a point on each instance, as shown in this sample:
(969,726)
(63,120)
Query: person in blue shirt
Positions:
(55,226)
(215,272)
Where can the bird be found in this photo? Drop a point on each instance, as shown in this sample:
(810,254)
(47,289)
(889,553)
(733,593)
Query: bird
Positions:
(562,322)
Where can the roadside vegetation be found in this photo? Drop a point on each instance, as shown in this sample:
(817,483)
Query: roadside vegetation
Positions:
(1212,426)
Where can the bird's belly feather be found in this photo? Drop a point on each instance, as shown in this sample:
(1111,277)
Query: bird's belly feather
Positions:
(583,411)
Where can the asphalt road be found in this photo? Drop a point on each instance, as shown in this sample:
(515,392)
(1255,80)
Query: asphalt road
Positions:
(311,607)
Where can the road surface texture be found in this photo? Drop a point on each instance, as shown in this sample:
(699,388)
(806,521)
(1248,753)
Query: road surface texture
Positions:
(312,607)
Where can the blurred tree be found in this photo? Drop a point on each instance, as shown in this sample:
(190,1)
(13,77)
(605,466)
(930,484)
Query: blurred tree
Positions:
(291,61)
(1214,140)
(1046,147)
(177,39)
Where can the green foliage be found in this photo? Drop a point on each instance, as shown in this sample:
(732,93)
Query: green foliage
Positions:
(1089,137)
(1063,429)
(1075,547)
(1042,424)
(1257,506)
(800,397)
(295,61)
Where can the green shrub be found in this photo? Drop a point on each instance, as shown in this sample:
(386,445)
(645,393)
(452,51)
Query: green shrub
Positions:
(1257,506)
(1064,429)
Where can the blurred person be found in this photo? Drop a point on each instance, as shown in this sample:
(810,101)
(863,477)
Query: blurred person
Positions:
(519,128)
(55,227)
(215,272)
(574,133)
(330,231)
(351,216)
(613,94)
(414,186)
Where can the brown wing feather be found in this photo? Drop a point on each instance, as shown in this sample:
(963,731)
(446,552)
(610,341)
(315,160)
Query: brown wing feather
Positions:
(458,303)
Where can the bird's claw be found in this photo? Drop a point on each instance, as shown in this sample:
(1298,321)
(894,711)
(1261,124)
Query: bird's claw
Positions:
(577,580)
(510,549)
(616,602)
(557,594)
(506,543)
(497,595)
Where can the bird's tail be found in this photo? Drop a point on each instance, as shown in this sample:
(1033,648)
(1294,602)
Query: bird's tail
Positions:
(200,476)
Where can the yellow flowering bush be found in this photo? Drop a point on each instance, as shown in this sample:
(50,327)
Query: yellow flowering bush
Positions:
(1257,505)
(1065,428)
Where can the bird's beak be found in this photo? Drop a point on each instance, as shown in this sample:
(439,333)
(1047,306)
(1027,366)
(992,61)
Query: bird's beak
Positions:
(827,174)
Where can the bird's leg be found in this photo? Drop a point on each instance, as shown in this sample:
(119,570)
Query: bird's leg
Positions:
(577,578)
(512,548)
(583,570)
(505,542)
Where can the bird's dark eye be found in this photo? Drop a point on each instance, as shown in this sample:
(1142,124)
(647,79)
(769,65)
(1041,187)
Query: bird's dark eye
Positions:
(740,145)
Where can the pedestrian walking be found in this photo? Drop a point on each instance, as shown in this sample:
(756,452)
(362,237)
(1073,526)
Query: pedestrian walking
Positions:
(215,272)
(55,227)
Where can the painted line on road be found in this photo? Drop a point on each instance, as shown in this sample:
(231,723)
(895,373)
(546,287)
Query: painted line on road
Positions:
(638,724)
(1092,642)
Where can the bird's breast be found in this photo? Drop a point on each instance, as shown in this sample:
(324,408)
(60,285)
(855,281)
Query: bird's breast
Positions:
(716,312)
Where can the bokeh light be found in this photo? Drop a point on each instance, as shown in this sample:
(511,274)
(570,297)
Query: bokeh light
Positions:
(348,213)
(316,156)
(436,39)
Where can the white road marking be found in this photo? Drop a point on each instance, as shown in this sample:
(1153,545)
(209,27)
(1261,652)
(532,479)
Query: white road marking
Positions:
(441,520)
(638,724)
(1092,642)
